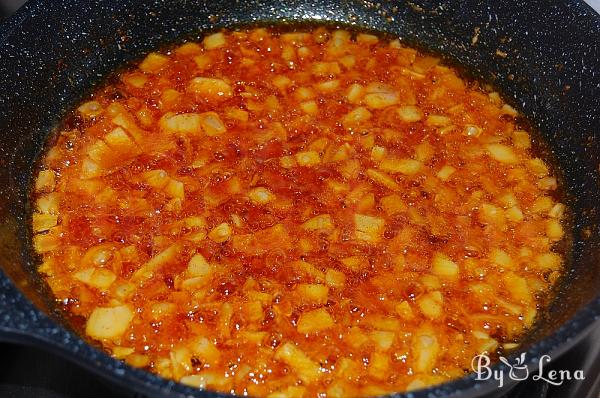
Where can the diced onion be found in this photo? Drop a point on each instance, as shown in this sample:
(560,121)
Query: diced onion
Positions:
(109,323)
(214,41)
(153,63)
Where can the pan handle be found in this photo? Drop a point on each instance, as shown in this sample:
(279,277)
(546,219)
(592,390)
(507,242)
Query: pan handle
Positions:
(22,323)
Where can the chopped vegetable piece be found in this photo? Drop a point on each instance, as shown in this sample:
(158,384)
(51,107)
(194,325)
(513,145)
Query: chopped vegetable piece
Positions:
(149,269)
(221,233)
(379,365)
(380,96)
(409,113)
(426,349)
(264,241)
(307,369)
(99,278)
(210,88)
(438,120)
(383,179)
(354,94)
(46,181)
(90,109)
(443,266)
(43,222)
(314,321)
(356,117)
(154,62)
(367,228)
(502,153)
(198,266)
(355,263)
(335,279)
(320,222)
(211,124)
(403,166)
(214,41)
(313,293)
(309,158)
(261,195)
(445,172)
(109,323)
(430,304)
(393,204)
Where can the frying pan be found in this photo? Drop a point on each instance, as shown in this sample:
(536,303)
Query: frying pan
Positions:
(52,53)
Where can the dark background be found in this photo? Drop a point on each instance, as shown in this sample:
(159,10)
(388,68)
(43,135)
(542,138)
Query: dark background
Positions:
(7,7)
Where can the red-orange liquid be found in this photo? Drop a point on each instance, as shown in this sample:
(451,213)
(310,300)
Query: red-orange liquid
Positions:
(330,254)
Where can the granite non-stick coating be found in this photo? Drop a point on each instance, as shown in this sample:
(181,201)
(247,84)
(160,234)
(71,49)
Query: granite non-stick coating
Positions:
(543,55)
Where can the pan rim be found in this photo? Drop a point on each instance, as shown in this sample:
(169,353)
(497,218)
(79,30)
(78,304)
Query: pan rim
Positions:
(570,330)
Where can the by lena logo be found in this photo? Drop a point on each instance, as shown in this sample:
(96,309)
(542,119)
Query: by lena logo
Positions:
(518,371)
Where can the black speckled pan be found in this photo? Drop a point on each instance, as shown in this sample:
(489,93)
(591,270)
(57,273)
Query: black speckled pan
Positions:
(52,52)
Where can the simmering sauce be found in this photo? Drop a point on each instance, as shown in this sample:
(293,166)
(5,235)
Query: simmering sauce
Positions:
(298,214)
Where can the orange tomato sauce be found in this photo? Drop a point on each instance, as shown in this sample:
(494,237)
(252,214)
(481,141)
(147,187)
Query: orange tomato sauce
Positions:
(298,214)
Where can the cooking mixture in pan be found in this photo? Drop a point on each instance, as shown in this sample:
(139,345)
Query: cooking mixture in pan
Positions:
(289,214)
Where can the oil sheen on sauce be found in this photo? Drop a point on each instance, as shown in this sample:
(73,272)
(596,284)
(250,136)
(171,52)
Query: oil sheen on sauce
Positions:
(287,214)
